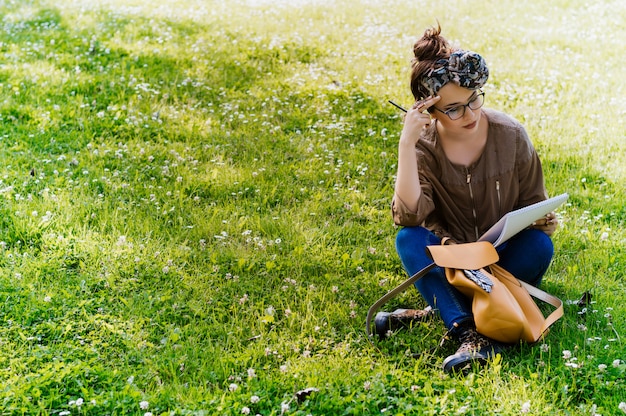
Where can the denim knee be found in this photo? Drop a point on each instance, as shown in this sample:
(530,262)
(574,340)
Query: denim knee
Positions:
(411,245)
(527,255)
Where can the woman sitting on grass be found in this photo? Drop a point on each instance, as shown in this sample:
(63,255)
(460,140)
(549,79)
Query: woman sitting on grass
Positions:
(461,167)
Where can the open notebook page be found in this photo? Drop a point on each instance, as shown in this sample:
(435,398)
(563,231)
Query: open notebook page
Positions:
(515,221)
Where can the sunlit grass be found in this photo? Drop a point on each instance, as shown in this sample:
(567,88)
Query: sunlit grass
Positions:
(195,206)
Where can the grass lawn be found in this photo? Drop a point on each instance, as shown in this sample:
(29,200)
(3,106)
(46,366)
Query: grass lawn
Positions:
(195,206)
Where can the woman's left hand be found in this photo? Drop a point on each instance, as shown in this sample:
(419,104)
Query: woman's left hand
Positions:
(547,224)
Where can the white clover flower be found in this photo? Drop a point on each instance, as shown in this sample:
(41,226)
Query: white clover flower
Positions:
(602,367)
(233,387)
(616,363)
(255,399)
(526,407)
(251,372)
(245,410)
(79,402)
(622,407)
(284,407)
(143,405)
(567,354)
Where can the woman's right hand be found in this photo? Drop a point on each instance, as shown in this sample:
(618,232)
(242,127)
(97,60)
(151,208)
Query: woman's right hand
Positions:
(407,180)
(417,119)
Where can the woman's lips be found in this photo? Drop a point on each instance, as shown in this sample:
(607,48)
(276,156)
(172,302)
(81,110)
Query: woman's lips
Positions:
(470,126)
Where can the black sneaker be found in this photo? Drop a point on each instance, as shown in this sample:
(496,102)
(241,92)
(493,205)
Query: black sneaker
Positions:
(475,349)
(385,322)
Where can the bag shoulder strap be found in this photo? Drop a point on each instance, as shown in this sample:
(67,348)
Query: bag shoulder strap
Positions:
(392,294)
(548,298)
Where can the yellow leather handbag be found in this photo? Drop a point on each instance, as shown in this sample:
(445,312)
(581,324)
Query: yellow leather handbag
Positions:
(502,305)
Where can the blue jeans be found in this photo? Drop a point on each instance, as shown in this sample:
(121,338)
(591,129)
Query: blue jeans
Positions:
(526,256)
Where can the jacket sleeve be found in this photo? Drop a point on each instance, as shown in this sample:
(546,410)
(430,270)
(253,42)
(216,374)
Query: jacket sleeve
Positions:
(402,215)
(405,217)
(530,173)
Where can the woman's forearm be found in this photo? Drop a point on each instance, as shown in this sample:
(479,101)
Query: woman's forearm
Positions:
(407,179)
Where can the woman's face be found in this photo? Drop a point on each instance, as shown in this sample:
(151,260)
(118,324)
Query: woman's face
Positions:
(453,96)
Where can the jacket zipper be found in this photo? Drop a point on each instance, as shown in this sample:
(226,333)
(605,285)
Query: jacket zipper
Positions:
(499,199)
(469,184)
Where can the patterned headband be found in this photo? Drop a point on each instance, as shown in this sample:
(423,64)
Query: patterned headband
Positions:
(464,68)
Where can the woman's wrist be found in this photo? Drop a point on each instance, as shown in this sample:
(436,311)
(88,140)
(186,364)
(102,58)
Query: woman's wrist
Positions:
(406,144)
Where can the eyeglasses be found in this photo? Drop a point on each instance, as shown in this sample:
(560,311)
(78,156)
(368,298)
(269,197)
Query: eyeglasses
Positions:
(457,112)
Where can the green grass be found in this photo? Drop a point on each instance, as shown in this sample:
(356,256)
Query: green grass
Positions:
(195,205)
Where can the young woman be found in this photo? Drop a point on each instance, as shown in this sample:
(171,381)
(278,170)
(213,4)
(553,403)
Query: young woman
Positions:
(461,167)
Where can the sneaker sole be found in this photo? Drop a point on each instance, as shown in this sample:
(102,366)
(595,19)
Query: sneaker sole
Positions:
(457,362)
(461,363)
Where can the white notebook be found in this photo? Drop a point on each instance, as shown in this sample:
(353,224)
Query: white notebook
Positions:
(515,221)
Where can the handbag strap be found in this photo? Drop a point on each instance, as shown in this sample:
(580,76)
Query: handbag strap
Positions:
(392,294)
(548,298)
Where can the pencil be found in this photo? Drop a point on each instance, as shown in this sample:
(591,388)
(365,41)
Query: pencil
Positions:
(399,106)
